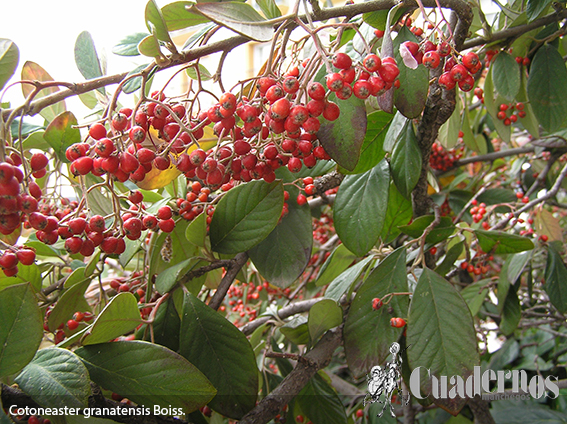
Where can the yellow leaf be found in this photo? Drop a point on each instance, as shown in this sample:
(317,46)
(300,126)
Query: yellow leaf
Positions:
(546,223)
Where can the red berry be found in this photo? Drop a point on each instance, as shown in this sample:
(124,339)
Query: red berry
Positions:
(372,62)
(342,61)
(362,89)
(149,222)
(446,81)
(334,82)
(388,71)
(543,238)
(458,72)
(397,322)
(470,60)
(26,256)
(73,244)
(137,134)
(72,324)
(431,59)
(97,131)
(83,165)
(376,303)
(119,122)
(316,91)
(331,111)
(166,225)
(38,161)
(228,102)
(164,212)
(294,164)
(301,199)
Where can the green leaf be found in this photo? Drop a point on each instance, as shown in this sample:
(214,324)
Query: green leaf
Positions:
(223,354)
(71,301)
(33,72)
(9,58)
(343,138)
(477,143)
(168,278)
(546,84)
(196,231)
(323,316)
(345,280)
(21,330)
(119,316)
(282,256)
(494,196)
(439,233)
(320,403)
(177,16)
(535,7)
(556,280)
(360,208)
(296,330)
(56,378)
(239,17)
(474,294)
(86,57)
(203,74)
(449,131)
(492,105)
(30,274)
(363,349)
(377,19)
(506,75)
(405,164)
(269,8)
(511,313)
(158,377)
(149,46)
(441,334)
(336,263)
(527,412)
(502,242)
(134,83)
(410,98)
(62,133)
(166,326)
(245,216)
(372,151)
(128,46)
(156,23)
(399,212)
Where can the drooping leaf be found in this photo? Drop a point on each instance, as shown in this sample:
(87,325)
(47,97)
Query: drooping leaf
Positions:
(239,17)
(56,378)
(368,333)
(377,19)
(535,7)
(9,58)
(492,105)
(474,294)
(449,131)
(320,403)
(33,72)
(282,256)
(178,16)
(410,98)
(61,133)
(245,216)
(86,57)
(134,82)
(440,334)
(477,143)
(439,233)
(506,75)
(128,46)
(511,313)
(372,150)
(556,280)
(269,8)
(166,326)
(546,84)
(296,330)
(360,208)
(160,377)
(222,352)
(339,260)
(156,23)
(405,164)
(323,316)
(453,253)
(118,317)
(343,138)
(196,231)
(345,280)
(502,242)
(203,74)
(21,330)
(149,46)
(398,213)
(71,301)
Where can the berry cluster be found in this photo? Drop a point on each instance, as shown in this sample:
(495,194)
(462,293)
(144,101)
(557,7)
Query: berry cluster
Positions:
(442,159)
(516,111)
(460,74)
(477,212)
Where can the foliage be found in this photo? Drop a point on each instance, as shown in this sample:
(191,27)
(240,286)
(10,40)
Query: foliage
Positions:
(251,253)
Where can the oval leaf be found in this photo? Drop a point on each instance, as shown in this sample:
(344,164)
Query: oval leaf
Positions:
(128,46)
(547,84)
(223,354)
(155,22)
(406,161)
(345,280)
(33,72)
(167,279)
(149,46)
(368,333)
(499,242)
(556,280)
(62,133)
(360,208)
(399,212)
(320,402)
(177,16)
(120,316)
(21,330)
(56,378)
(284,254)
(239,17)
(71,301)
(323,316)
(245,216)
(86,57)
(439,233)
(159,377)
(334,265)
(506,75)
(9,58)
(440,334)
